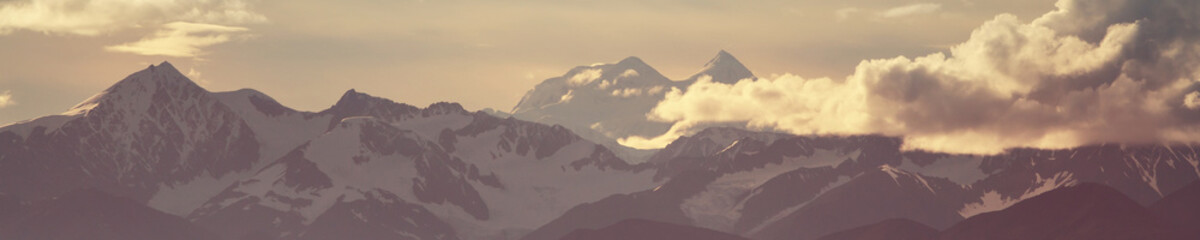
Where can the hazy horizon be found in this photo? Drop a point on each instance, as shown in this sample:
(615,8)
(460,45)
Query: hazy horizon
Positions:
(479,54)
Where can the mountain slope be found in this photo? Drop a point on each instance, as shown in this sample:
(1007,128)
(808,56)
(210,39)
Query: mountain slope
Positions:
(893,229)
(155,128)
(286,197)
(244,165)
(483,176)
(769,186)
(1144,173)
(749,179)
(1181,209)
(92,214)
(1084,211)
(873,196)
(640,229)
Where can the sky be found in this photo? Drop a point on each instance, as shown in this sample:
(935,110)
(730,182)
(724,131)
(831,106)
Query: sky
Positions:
(958,76)
(483,54)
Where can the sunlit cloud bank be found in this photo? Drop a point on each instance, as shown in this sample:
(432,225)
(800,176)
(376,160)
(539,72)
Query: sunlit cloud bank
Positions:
(1089,72)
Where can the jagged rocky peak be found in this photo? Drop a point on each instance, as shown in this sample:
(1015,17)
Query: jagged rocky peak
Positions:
(164,75)
(724,68)
(155,83)
(355,103)
(442,108)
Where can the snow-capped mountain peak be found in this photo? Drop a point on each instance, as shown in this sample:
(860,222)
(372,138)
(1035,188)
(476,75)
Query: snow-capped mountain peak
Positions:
(140,88)
(355,101)
(152,129)
(630,72)
(724,68)
(634,66)
(610,101)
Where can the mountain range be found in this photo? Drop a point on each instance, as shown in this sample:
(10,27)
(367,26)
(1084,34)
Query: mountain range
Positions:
(606,102)
(156,156)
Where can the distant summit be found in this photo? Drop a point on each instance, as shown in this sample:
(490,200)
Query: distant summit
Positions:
(606,102)
(163,78)
(724,68)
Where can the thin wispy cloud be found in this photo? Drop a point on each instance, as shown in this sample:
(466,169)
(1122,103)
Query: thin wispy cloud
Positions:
(89,18)
(911,10)
(175,28)
(180,39)
(844,13)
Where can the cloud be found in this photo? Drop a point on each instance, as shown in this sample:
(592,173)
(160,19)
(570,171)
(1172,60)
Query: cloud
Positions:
(197,76)
(911,10)
(6,99)
(93,17)
(637,92)
(1090,72)
(1192,100)
(844,13)
(585,77)
(180,39)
